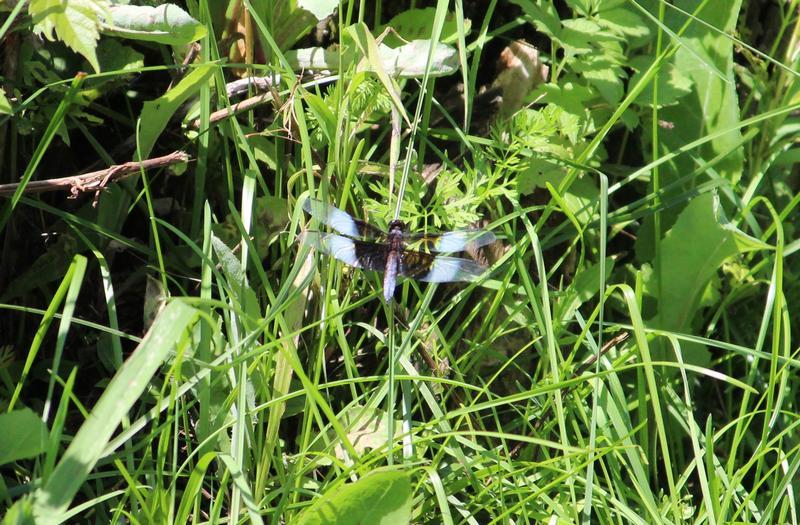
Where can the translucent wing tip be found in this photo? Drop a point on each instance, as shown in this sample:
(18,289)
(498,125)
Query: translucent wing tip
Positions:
(309,203)
(484,238)
(460,240)
(309,238)
(452,269)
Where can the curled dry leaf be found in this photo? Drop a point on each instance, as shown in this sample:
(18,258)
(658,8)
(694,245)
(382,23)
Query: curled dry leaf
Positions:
(486,255)
(155,298)
(520,72)
(431,171)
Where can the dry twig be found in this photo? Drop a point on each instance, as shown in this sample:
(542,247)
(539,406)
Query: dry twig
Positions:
(96,180)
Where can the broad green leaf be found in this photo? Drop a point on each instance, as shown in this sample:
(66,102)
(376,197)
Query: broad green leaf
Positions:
(114,56)
(673,83)
(5,105)
(612,4)
(572,98)
(417,24)
(156,113)
(407,61)
(623,20)
(710,107)
(545,17)
(125,388)
(602,68)
(605,77)
(321,9)
(165,24)
(713,105)
(570,102)
(316,58)
(581,35)
(581,193)
(24,435)
(537,174)
(288,23)
(76,22)
(691,253)
(583,7)
(382,497)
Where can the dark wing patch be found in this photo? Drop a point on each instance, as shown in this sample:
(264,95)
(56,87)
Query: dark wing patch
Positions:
(415,264)
(341,221)
(438,268)
(353,252)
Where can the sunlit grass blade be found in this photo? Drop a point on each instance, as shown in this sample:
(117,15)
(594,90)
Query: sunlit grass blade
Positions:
(168,334)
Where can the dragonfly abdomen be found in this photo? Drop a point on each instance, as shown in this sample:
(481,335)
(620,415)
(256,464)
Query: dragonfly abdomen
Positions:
(390,277)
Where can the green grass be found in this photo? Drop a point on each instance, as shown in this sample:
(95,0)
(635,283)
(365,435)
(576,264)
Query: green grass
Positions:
(174,354)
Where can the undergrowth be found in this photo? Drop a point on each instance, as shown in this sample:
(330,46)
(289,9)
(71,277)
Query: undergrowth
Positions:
(171,352)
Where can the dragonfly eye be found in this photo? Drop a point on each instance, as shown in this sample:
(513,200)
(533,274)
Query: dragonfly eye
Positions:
(397,226)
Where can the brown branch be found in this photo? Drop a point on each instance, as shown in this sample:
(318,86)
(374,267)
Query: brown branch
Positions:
(239,107)
(261,83)
(96,180)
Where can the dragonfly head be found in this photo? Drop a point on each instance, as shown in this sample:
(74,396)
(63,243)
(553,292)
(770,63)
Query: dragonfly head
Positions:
(397,227)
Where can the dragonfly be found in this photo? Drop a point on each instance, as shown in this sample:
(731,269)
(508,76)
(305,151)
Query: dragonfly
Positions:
(362,245)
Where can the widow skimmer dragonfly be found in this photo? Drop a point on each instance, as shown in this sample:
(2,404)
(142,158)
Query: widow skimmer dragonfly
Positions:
(362,245)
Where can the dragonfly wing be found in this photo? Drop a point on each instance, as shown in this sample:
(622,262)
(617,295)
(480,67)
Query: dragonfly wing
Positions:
(457,241)
(359,254)
(438,268)
(454,241)
(339,220)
